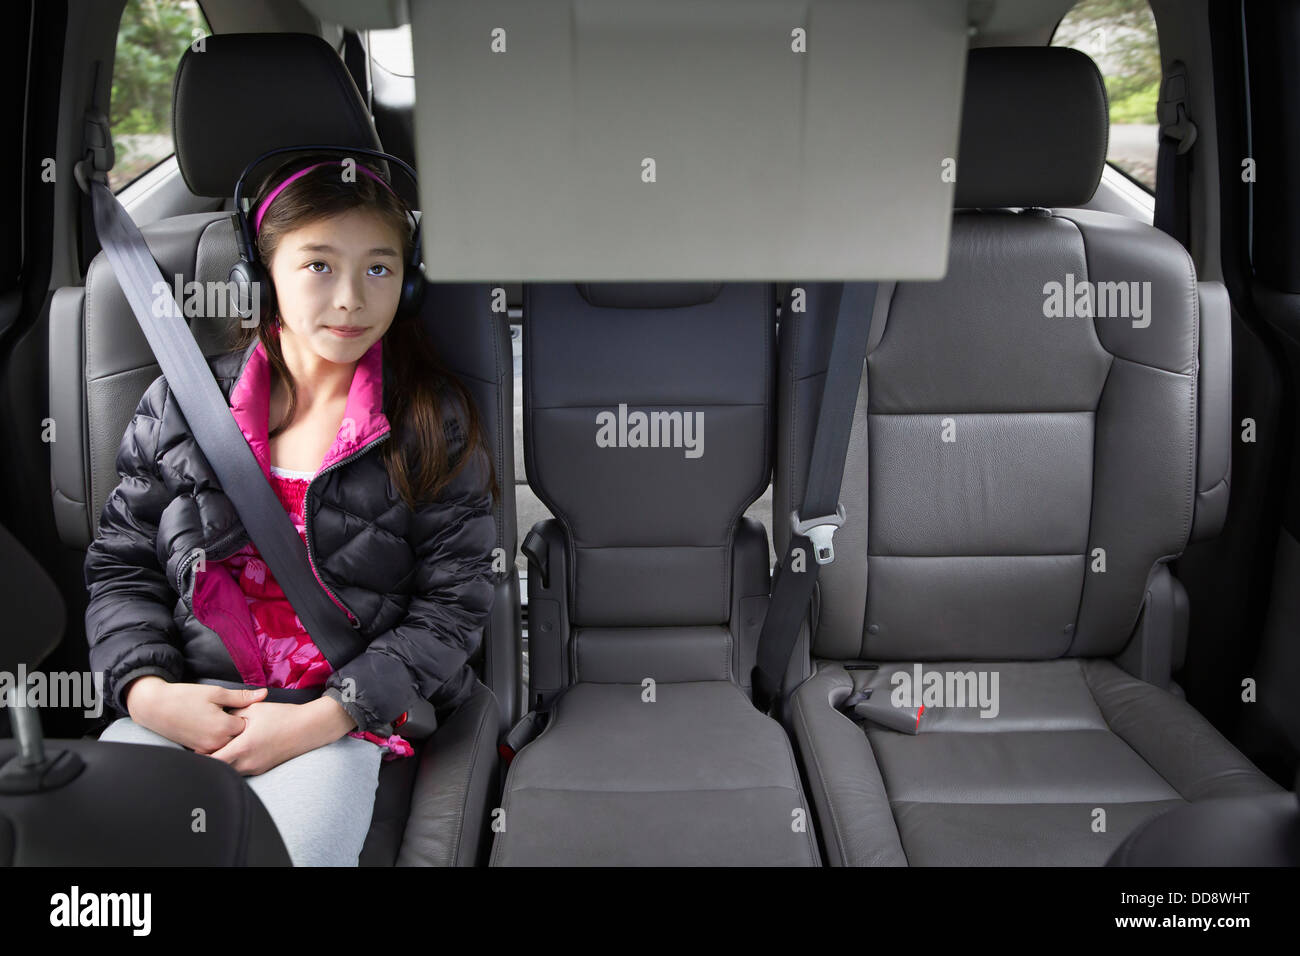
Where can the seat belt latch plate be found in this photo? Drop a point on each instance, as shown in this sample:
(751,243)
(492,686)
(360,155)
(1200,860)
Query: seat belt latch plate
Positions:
(820,531)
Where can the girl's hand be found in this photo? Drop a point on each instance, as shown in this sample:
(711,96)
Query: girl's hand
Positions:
(280,732)
(192,715)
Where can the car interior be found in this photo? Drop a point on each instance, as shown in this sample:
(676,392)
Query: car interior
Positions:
(1052,618)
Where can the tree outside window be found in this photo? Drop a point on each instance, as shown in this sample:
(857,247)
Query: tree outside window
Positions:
(1120,36)
(152,36)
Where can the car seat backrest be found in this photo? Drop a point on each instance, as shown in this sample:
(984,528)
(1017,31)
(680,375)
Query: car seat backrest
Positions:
(473,341)
(647,417)
(241,95)
(101,363)
(1019,465)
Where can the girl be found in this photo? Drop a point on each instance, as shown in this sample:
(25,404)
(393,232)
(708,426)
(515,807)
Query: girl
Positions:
(375,452)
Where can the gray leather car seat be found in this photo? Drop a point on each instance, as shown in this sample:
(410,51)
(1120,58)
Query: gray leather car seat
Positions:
(1015,483)
(101,365)
(1262,829)
(647,590)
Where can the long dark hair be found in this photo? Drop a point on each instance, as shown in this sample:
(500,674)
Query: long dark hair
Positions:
(417,386)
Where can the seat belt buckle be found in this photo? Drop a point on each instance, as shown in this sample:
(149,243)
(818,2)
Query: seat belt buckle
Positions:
(820,531)
(519,736)
(905,720)
(417,723)
(855,698)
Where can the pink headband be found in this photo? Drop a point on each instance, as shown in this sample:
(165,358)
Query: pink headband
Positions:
(261,210)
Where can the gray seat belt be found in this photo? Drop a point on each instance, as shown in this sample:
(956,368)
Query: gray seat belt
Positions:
(214,428)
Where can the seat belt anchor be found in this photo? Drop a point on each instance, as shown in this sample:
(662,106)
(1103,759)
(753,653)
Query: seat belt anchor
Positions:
(1171,109)
(820,531)
(99,156)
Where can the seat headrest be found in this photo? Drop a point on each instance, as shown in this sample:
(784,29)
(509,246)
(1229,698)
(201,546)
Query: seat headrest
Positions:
(648,295)
(246,93)
(1034,128)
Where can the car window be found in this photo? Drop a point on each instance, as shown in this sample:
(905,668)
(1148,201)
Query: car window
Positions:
(391,49)
(151,37)
(1120,36)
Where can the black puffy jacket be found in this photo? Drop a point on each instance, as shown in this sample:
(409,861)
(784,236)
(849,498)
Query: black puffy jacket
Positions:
(418,585)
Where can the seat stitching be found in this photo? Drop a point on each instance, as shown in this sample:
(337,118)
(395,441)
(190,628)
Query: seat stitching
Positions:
(530,469)
(796,789)
(473,762)
(1153,368)
(766,786)
(1108,731)
(1031,803)
(582,406)
(1213,487)
(499,363)
(511,773)
(982,554)
(794,328)
(1191,484)
(1193,375)
(764,479)
(922,413)
(810,837)
(655,547)
(1092,478)
(811,750)
(1194,405)
(499,511)
(1087,682)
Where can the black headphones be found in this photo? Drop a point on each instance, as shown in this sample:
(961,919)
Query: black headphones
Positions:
(249,274)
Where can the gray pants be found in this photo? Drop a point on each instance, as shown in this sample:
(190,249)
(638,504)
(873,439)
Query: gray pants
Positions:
(321,801)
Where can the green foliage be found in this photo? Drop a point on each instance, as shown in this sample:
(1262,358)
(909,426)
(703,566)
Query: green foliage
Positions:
(1136,106)
(151,38)
(1121,36)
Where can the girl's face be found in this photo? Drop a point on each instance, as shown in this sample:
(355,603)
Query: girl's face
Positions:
(337,283)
